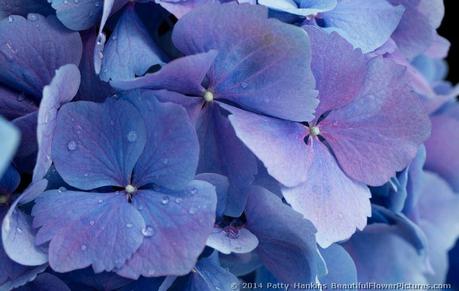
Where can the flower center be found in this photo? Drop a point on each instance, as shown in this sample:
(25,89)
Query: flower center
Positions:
(208,96)
(314,131)
(130,189)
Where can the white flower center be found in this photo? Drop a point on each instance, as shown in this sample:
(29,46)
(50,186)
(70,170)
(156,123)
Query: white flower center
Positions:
(314,130)
(130,189)
(208,96)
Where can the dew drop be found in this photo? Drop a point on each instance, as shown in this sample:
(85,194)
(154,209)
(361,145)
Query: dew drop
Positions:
(19,229)
(244,85)
(71,146)
(92,222)
(165,161)
(10,19)
(97,4)
(129,225)
(76,1)
(178,200)
(193,191)
(148,231)
(83,247)
(100,201)
(86,174)
(62,189)
(66,2)
(32,17)
(140,207)
(165,200)
(132,136)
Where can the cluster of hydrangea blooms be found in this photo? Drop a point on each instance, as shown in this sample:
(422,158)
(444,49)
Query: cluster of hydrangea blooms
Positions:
(199,144)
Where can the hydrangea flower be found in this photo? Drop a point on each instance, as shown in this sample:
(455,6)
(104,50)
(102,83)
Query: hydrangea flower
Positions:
(146,217)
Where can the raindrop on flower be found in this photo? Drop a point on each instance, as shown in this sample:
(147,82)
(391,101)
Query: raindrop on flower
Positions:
(132,136)
(165,200)
(71,146)
(178,200)
(10,19)
(244,85)
(148,231)
(92,222)
(19,229)
(129,225)
(62,189)
(193,191)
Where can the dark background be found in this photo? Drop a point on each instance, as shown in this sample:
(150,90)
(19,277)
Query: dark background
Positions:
(450,29)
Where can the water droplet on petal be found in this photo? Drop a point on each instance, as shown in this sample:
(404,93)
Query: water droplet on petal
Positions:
(132,136)
(76,1)
(19,229)
(193,191)
(72,145)
(92,222)
(100,201)
(140,207)
(62,189)
(97,4)
(244,85)
(165,161)
(129,225)
(83,247)
(10,19)
(165,200)
(178,200)
(32,17)
(148,231)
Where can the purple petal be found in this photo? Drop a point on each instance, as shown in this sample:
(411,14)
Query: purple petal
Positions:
(183,75)
(442,149)
(180,8)
(334,203)
(27,150)
(98,229)
(221,185)
(379,133)
(13,104)
(340,266)
(367,25)
(45,282)
(61,90)
(130,51)
(339,69)
(32,49)
(223,153)
(275,142)
(176,229)
(171,153)
(96,144)
(287,244)
(9,137)
(18,236)
(382,257)
(263,64)
(232,240)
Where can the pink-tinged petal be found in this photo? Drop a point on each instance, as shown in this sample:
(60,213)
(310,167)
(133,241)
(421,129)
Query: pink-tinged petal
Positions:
(177,225)
(63,87)
(262,64)
(380,132)
(442,149)
(101,230)
(184,75)
(339,69)
(232,240)
(275,142)
(96,144)
(333,202)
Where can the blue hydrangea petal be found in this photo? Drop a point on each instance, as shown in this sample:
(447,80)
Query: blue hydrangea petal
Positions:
(101,230)
(339,69)
(222,152)
(171,153)
(358,133)
(334,203)
(224,242)
(14,104)
(285,143)
(9,181)
(184,75)
(390,259)
(263,64)
(208,275)
(18,236)
(287,241)
(9,137)
(241,264)
(340,266)
(180,8)
(63,87)
(130,51)
(221,184)
(177,227)
(300,8)
(32,49)
(367,25)
(13,275)
(98,145)
(28,147)
(24,7)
